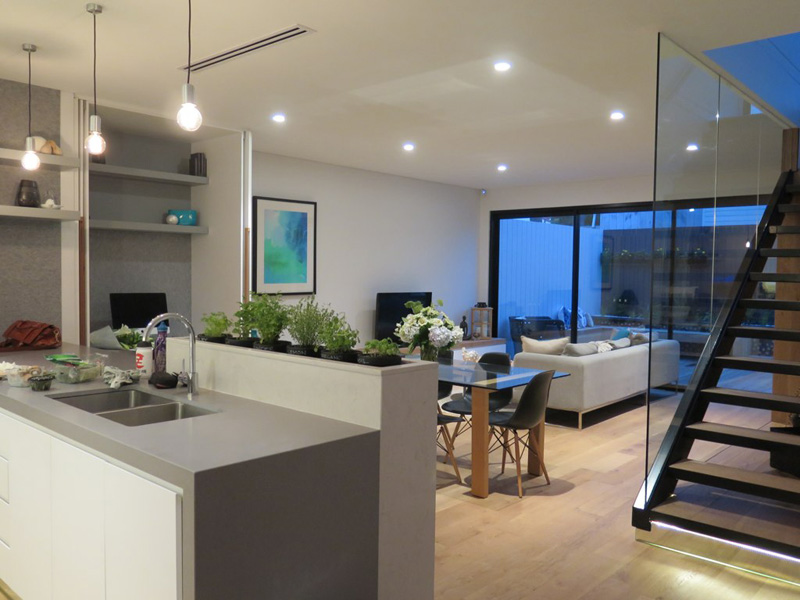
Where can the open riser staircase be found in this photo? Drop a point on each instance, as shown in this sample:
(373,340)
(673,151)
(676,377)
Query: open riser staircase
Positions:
(731,503)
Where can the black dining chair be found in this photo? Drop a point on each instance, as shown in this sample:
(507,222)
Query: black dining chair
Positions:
(444,439)
(528,414)
(461,404)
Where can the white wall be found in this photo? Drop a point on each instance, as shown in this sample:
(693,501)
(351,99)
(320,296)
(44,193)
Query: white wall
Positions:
(381,233)
(574,193)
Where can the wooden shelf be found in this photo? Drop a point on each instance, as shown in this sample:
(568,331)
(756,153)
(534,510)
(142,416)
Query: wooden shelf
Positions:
(46,214)
(146,227)
(118,172)
(50,162)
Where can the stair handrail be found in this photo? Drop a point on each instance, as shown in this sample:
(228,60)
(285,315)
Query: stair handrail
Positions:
(651,491)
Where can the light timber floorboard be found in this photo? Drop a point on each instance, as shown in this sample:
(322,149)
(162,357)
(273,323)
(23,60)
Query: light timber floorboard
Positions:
(573,540)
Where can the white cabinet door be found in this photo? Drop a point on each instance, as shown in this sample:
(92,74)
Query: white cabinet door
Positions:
(27,566)
(142,536)
(5,507)
(78,512)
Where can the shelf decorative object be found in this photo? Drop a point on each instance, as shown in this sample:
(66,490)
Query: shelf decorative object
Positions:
(481,318)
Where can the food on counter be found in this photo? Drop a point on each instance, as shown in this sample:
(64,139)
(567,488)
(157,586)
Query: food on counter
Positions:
(71,368)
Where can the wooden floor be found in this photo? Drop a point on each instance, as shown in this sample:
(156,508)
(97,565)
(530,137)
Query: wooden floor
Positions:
(573,540)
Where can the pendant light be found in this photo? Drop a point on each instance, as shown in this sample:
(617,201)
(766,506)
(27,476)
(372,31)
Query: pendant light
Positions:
(189,117)
(30,160)
(94,144)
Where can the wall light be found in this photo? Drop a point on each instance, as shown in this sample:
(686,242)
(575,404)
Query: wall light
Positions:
(30,160)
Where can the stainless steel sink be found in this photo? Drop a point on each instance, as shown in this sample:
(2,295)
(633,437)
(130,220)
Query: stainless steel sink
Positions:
(104,400)
(147,415)
(131,407)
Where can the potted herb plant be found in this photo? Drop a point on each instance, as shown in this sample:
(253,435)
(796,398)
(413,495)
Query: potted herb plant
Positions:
(380,353)
(306,321)
(244,325)
(270,319)
(338,339)
(217,326)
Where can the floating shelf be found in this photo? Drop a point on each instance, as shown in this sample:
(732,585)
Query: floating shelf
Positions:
(147,227)
(118,172)
(46,214)
(50,162)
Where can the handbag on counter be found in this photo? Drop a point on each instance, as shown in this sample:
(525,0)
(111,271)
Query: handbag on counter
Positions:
(30,335)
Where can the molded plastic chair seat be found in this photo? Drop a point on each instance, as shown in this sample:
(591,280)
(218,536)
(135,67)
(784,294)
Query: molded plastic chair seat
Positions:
(448,419)
(444,438)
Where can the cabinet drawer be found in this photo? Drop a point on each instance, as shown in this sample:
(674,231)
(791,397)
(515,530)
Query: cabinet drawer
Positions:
(3,479)
(5,436)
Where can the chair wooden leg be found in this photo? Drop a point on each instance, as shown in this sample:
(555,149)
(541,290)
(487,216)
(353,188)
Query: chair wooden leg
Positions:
(534,445)
(448,444)
(505,449)
(519,468)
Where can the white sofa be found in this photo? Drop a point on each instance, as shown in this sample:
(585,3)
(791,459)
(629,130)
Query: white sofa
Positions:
(601,379)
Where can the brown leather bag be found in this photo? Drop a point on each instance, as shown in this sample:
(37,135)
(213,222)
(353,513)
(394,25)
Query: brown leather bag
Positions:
(30,335)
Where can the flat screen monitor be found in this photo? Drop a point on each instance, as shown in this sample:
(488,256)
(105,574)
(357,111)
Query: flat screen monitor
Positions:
(390,309)
(136,310)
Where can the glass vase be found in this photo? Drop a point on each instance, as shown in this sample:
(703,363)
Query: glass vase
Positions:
(429,352)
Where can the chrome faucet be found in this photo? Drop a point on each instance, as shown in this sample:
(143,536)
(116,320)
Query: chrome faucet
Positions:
(187,323)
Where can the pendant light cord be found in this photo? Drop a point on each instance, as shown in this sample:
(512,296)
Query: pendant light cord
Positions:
(94,60)
(29,93)
(189,61)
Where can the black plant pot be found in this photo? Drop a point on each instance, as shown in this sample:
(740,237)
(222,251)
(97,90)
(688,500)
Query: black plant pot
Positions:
(276,346)
(303,350)
(218,339)
(350,356)
(242,342)
(379,360)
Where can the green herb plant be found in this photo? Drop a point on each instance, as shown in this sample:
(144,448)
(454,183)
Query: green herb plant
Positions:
(384,347)
(307,320)
(270,316)
(217,324)
(337,335)
(246,318)
(128,338)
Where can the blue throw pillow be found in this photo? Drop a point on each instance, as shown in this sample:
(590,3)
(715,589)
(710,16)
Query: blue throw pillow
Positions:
(621,333)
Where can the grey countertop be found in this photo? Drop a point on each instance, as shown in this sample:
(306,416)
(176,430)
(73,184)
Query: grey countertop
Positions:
(239,431)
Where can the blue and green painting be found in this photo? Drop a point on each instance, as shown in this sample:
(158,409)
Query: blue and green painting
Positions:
(285,246)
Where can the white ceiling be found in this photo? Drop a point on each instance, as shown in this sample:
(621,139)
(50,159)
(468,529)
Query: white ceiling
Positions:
(379,72)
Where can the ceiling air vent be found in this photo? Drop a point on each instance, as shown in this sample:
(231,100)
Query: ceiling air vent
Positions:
(284,35)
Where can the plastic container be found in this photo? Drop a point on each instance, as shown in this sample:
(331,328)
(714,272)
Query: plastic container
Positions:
(41,383)
(78,373)
(144,358)
(185,217)
(160,349)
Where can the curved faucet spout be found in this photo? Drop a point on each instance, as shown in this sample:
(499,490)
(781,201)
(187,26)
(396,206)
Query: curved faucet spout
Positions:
(192,339)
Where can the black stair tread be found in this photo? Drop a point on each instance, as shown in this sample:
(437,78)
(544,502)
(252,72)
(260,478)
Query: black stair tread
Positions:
(787,277)
(766,485)
(764,365)
(784,252)
(744,437)
(788,208)
(752,399)
(768,333)
(786,229)
(725,524)
(793,188)
(768,304)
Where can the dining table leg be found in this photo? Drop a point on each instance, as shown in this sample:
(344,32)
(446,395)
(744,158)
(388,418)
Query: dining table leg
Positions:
(480,442)
(534,466)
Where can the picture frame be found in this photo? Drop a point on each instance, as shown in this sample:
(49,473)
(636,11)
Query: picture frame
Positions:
(284,246)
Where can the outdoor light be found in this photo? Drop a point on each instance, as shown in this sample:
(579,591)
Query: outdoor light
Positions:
(94,144)
(30,160)
(189,117)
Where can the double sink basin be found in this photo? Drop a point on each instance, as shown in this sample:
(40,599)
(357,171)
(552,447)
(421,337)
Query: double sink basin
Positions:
(131,407)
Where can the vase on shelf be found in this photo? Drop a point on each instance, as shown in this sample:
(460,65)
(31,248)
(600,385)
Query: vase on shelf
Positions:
(429,352)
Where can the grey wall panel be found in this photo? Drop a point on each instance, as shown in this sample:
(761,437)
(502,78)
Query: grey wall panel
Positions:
(128,200)
(30,271)
(123,261)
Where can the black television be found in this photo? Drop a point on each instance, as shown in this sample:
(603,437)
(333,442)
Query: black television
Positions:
(136,310)
(390,309)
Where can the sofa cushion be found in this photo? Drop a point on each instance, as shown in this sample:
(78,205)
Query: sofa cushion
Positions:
(543,346)
(620,343)
(584,349)
(621,333)
(641,337)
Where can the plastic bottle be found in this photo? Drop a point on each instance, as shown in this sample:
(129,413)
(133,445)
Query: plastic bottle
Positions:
(144,358)
(160,349)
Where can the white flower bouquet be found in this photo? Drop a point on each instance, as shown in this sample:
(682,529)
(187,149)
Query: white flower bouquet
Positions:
(428,328)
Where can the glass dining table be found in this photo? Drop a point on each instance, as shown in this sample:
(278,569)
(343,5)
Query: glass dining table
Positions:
(485,379)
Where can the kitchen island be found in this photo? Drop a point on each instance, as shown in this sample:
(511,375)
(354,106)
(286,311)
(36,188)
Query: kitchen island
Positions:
(252,501)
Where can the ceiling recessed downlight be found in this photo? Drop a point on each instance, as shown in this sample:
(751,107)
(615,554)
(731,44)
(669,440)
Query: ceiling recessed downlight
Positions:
(692,148)
(409,146)
(279,118)
(501,167)
(502,66)
(617,115)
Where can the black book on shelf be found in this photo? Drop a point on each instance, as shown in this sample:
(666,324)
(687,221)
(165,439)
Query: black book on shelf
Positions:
(197,164)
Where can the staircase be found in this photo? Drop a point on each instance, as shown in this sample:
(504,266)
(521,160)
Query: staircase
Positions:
(755,508)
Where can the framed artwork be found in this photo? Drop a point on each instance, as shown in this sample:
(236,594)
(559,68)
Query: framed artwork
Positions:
(284,246)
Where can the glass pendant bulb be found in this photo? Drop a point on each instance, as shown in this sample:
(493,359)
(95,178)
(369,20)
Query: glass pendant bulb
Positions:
(94,144)
(189,117)
(30,160)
